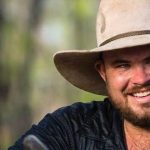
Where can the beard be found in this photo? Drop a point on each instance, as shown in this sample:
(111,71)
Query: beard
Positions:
(122,105)
(128,114)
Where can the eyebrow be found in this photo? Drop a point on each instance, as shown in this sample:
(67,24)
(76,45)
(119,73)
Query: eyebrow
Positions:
(119,61)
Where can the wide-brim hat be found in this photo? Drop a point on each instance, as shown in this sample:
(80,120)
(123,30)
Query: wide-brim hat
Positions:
(121,24)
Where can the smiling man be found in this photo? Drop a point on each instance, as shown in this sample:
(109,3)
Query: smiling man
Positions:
(118,68)
(126,73)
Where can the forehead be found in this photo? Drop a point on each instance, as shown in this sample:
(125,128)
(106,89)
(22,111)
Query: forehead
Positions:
(134,53)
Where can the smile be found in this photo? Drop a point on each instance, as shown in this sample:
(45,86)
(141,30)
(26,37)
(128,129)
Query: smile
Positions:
(141,94)
(141,97)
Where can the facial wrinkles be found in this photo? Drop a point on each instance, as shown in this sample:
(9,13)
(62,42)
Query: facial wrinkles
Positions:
(138,81)
(122,104)
(131,84)
(120,89)
(127,111)
(138,88)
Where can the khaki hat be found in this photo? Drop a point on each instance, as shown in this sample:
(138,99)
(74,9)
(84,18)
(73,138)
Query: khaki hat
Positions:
(120,24)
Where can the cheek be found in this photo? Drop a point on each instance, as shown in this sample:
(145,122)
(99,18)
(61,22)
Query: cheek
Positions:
(117,81)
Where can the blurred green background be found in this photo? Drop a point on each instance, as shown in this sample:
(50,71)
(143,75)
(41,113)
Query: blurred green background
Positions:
(31,31)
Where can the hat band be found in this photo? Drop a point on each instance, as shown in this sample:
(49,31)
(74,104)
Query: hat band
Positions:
(123,35)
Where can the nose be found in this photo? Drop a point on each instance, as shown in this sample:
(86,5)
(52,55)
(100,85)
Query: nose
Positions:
(140,75)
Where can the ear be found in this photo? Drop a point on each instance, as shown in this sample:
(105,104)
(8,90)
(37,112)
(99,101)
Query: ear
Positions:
(100,68)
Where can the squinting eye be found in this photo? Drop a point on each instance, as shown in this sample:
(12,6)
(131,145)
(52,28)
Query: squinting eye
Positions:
(123,66)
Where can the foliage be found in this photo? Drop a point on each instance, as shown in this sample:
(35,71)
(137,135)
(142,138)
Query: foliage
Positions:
(31,31)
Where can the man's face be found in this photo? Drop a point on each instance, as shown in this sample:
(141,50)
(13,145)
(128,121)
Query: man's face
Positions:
(127,76)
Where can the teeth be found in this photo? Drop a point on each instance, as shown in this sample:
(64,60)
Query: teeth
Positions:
(142,94)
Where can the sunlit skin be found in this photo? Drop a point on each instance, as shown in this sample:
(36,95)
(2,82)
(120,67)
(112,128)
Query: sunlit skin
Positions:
(126,73)
(123,72)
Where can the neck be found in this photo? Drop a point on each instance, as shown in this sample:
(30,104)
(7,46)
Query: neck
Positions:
(136,138)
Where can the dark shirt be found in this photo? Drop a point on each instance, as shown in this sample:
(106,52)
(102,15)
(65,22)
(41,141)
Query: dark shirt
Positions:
(81,126)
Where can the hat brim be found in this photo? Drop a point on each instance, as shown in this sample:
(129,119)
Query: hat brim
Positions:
(78,66)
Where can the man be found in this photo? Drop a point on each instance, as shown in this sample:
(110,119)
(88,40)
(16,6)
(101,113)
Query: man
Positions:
(120,68)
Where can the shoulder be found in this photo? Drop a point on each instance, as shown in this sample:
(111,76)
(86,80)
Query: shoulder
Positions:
(84,109)
(79,113)
(66,125)
(79,119)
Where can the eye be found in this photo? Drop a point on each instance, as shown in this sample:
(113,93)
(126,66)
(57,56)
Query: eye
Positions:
(123,66)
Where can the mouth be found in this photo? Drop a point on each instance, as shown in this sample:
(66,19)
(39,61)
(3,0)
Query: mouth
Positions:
(141,96)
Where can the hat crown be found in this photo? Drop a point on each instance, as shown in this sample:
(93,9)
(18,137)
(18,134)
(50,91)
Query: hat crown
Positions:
(116,17)
(121,24)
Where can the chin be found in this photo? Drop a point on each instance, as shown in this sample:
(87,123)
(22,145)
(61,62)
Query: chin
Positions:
(139,120)
(138,115)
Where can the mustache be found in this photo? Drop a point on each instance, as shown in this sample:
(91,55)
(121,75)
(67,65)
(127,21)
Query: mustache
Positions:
(137,88)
